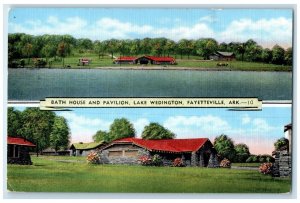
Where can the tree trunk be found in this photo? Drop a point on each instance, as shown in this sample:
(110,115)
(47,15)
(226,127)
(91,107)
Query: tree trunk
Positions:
(37,149)
(63,58)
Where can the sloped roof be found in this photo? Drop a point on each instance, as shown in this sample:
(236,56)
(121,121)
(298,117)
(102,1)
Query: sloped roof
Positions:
(126,58)
(167,145)
(163,59)
(90,145)
(223,53)
(19,141)
(287,127)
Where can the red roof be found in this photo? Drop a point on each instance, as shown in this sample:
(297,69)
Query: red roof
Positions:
(126,58)
(19,141)
(168,145)
(161,59)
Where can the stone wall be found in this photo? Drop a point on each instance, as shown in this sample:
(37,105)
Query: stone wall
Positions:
(283,164)
(23,158)
(122,159)
(213,161)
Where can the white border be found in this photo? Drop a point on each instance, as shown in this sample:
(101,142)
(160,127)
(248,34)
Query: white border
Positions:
(154,3)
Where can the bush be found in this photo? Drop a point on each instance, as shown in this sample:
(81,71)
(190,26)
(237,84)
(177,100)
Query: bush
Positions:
(265,168)
(156,160)
(252,159)
(225,163)
(40,63)
(93,158)
(178,162)
(145,160)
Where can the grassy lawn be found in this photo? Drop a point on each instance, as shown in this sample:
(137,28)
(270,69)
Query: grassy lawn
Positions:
(246,164)
(49,175)
(193,62)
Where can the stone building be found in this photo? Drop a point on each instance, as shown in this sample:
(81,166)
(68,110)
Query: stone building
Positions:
(283,158)
(18,150)
(194,152)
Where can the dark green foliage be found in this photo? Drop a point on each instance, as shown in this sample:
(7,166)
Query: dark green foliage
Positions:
(155,131)
(37,127)
(242,153)
(101,136)
(121,128)
(225,147)
(282,144)
(277,55)
(26,46)
(14,122)
(59,137)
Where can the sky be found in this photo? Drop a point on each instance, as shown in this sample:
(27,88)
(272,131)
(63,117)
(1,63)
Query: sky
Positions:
(266,26)
(258,129)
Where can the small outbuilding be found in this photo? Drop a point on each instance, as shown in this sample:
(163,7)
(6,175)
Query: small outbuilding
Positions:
(18,150)
(222,56)
(194,152)
(83,149)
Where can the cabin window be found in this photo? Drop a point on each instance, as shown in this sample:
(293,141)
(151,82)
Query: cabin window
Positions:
(131,153)
(115,153)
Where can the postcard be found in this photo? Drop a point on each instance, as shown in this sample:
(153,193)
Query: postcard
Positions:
(150,100)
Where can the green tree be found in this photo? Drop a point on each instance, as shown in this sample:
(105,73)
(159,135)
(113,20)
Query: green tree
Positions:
(59,137)
(206,47)
(14,122)
(282,144)
(101,136)
(63,50)
(27,51)
(121,128)
(266,55)
(37,127)
(99,48)
(155,131)
(49,50)
(288,56)
(277,55)
(242,153)
(225,147)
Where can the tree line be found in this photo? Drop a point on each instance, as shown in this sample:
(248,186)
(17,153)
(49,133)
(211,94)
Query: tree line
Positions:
(57,47)
(43,128)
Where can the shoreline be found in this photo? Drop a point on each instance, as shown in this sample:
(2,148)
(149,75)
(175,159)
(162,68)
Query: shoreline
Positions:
(166,68)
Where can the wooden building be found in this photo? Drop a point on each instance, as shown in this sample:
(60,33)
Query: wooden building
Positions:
(18,150)
(125,60)
(144,60)
(83,149)
(222,56)
(194,152)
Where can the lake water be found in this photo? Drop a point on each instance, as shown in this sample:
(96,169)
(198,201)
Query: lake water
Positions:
(36,84)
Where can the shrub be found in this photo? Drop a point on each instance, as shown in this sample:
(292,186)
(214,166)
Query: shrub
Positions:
(178,162)
(265,168)
(40,63)
(93,158)
(225,163)
(145,160)
(156,160)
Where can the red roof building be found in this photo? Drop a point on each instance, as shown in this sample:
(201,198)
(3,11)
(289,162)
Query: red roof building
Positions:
(19,141)
(193,152)
(167,145)
(18,150)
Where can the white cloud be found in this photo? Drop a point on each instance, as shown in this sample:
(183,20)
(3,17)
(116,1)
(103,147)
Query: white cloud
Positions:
(246,119)
(139,125)
(196,126)
(83,128)
(263,126)
(265,31)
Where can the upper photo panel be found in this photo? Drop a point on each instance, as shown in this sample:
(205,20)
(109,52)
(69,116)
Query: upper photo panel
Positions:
(149,52)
